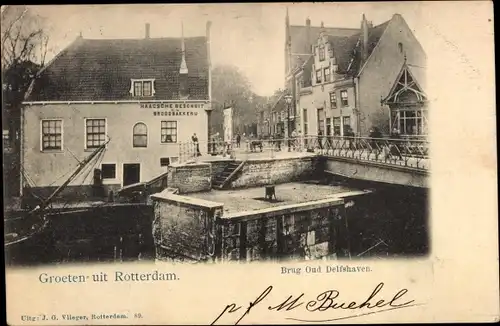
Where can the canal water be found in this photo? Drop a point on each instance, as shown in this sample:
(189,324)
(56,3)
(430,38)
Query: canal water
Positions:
(391,221)
(101,234)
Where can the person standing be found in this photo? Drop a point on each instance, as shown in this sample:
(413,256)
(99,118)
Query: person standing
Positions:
(238,140)
(294,139)
(320,139)
(395,149)
(349,134)
(375,136)
(194,138)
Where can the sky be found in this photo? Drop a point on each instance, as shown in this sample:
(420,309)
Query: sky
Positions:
(249,36)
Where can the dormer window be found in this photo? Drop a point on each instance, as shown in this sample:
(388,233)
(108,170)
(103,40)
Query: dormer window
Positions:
(142,87)
(321,52)
(400,47)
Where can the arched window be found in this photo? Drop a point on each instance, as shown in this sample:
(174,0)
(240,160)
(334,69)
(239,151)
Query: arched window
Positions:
(140,135)
(400,47)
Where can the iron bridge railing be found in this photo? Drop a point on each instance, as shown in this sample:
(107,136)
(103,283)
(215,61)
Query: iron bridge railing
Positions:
(408,152)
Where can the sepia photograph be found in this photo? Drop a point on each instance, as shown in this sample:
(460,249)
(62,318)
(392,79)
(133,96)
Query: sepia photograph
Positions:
(157,147)
(300,141)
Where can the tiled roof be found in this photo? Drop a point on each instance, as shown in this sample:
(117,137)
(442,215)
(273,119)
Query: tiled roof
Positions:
(344,50)
(346,44)
(347,50)
(102,69)
(298,35)
(307,69)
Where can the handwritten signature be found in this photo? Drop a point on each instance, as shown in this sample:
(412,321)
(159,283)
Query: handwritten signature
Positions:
(324,301)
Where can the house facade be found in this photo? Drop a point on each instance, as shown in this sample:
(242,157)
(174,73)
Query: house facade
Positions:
(145,95)
(348,81)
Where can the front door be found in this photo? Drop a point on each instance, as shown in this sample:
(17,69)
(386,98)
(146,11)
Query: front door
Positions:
(131,173)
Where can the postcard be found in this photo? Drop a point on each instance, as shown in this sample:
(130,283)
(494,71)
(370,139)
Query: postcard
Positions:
(237,163)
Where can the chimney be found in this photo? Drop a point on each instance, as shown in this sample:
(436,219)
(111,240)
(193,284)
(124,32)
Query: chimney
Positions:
(364,33)
(308,36)
(147,30)
(183,70)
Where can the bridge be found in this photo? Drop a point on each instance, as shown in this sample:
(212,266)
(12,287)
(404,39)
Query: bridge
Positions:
(395,161)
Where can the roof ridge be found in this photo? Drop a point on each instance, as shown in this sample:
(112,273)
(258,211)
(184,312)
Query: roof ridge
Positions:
(142,39)
(344,36)
(326,27)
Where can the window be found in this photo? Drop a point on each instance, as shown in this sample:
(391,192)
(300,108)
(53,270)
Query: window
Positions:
(165,161)
(327,74)
(346,124)
(140,135)
(333,100)
(146,88)
(321,52)
(412,122)
(108,171)
(400,47)
(343,98)
(169,131)
(51,135)
(330,51)
(336,126)
(96,132)
(318,76)
(142,87)
(6,138)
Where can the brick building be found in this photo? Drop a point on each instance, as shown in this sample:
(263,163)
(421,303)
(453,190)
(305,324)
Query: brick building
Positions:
(146,95)
(343,78)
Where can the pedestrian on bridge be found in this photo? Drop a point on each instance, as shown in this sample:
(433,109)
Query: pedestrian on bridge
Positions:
(320,139)
(194,138)
(375,136)
(238,140)
(395,148)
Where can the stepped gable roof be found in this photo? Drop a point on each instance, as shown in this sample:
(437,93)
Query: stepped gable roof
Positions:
(298,35)
(102,69)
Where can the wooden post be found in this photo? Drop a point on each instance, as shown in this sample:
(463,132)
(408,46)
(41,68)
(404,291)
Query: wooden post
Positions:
(218,236)
(262,238)
(243,240)
(343,245)
(332,231)
(280,236)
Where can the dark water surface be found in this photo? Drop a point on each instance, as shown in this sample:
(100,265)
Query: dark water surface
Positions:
(392,221)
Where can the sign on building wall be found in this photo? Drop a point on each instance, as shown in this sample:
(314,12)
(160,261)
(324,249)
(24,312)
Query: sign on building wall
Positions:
(228,124)
(173,109)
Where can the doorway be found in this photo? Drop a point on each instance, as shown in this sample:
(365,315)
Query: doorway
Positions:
(131,173)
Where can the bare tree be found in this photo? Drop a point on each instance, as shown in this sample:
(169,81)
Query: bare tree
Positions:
(24,36)
(24,41)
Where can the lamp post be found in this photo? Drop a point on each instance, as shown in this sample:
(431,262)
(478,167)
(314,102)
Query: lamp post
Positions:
(288,100)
